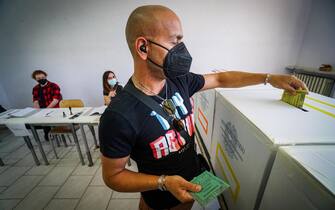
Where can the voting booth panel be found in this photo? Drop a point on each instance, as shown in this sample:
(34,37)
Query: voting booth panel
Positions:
(249,126)
(240,157)
(203,114)
(302,177)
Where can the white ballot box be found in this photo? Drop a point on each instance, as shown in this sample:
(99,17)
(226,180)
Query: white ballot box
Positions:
(250,125)
(302,177)
(204,103)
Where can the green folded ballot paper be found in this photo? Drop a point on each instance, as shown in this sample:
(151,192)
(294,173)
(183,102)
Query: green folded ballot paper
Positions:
(295,100)
(211,187)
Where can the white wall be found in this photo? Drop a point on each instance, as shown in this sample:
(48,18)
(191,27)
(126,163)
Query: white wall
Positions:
(75,41)
(319,40)
(4,102)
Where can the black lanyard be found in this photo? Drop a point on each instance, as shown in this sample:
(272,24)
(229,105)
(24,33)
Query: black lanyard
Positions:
(154,105)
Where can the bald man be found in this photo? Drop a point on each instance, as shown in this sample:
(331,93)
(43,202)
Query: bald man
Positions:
(165,158)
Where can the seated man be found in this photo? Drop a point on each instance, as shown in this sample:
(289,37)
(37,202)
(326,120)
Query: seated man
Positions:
(46,94)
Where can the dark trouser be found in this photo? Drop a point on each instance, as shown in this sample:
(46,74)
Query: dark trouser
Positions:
(182,206)
(46,130)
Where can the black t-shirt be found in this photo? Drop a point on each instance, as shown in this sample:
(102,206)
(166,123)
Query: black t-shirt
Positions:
(129,127)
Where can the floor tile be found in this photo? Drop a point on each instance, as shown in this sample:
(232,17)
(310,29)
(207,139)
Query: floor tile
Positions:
(97,179)
(133,166)
(123,204)
(21,152)
(3,168)
(21,187)
(74,187)
(8,204)
(62,204)
(85,170)
(68,162)
(58,175)
(12,145)
(95,197)
(40,170)
(28,161)
(11,161)
(38,198)
(2,189)
(125,195)
(10,175)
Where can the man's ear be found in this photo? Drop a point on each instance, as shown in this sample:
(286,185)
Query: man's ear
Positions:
(141,47)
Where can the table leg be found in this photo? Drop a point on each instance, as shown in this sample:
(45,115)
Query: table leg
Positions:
(94,136)
(88,153)
(38,141)
(75,138)
(52,139)
(63,139)
(32,150)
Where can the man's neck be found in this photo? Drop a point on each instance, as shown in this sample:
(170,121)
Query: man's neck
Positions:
(147,83)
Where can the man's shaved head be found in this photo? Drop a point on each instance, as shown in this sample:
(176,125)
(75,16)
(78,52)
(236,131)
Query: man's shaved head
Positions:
(148,21)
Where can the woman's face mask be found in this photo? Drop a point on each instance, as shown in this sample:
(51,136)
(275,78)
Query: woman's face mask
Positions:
(177,61)
(112,82)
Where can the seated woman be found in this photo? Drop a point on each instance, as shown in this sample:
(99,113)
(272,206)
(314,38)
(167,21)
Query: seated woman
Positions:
(110,85)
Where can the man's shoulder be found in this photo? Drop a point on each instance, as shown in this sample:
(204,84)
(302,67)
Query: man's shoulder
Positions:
(36,87)
(124,104)
(53,84)
(124,108)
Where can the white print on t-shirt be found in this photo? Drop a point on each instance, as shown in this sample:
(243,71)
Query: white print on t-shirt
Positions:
(178,101)
(172,141)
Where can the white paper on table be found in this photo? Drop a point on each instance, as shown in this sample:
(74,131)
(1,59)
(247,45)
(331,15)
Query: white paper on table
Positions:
(23,112)
(8,114)
(97,110)
(48,113)
(19,129)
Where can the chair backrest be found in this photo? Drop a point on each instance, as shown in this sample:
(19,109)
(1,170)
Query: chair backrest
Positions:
(71,103)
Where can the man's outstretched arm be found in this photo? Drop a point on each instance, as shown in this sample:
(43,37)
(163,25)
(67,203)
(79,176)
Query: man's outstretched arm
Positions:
(235,79)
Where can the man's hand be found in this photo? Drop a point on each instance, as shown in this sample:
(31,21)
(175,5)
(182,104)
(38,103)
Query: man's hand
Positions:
(179,187)
(287,82)
(36,105)
(53,103)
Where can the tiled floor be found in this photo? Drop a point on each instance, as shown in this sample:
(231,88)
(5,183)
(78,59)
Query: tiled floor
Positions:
(64,184)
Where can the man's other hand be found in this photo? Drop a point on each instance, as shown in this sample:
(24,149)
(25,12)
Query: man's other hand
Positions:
(180,188)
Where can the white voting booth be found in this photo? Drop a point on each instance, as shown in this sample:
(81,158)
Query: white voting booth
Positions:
(249,126)
(204,103)
(302,177)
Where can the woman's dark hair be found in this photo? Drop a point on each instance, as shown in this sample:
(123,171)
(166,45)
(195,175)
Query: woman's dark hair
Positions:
(106,87)
(36,72)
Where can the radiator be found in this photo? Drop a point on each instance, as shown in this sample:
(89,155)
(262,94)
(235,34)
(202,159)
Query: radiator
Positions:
(316,84)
